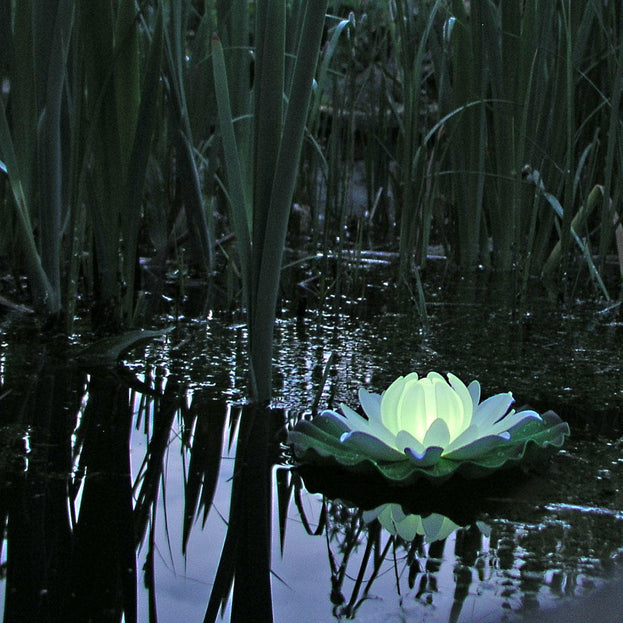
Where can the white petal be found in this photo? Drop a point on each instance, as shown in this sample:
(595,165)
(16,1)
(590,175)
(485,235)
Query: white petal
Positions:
(430,398)
(372,427)
(449,407)
(336,418)
(512,420)
(430,457)
(438,434)
(371,403)
(474,391)
(468,436)
(477,447)
(466,400)
(435,376)
(371,446)
(492,409)
(390,404)
(353,419)
(413,407)
(404,439)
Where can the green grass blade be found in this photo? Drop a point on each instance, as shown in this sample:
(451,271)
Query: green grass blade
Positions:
(269,85)
(262,322)
(42,288)
(51,173)
(141,148)
(238,201)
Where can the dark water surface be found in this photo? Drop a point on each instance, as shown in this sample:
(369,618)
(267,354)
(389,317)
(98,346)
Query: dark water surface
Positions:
(116,482)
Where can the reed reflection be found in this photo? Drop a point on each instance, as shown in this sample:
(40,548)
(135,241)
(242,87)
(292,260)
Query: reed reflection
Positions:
(36,452)
(67,496)
(91,497)
(420,553)
(450,553)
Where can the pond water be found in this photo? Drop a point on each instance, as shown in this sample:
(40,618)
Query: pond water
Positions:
(148,487)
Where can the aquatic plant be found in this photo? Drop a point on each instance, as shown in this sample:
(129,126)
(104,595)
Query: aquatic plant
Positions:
(490,128)
(429,427)
(261,164)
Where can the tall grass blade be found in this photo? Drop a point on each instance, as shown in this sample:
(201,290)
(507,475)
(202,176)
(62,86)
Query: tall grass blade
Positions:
(175,56)
(145,123)
(283,181)
(50,176)
(239,205)
(277,141)
(42,288)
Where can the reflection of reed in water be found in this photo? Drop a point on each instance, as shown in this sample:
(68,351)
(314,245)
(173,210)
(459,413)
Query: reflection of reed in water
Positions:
(72,524)
(75,514)
(428,557)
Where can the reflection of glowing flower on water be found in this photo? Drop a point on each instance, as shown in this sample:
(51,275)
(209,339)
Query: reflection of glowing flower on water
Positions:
(430,426)
(434,527)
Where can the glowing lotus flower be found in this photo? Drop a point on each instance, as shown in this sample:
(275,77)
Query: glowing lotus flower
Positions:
(427,426)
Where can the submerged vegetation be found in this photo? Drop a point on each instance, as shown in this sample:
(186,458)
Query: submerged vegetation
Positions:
(148,143)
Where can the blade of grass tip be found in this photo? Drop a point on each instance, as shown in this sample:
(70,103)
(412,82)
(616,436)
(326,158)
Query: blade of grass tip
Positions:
(579,220)
(204,465)
(328,53)
(238,202)
(284,495)
(283,190)
(224,578)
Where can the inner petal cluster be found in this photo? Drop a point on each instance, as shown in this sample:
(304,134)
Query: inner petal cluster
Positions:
(430,410)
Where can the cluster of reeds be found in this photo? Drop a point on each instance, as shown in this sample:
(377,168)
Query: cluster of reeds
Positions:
(507,132)
(132,135)
(106,134)
(104,110)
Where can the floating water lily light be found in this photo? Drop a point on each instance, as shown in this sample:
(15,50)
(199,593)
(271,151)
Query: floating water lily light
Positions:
(427,426)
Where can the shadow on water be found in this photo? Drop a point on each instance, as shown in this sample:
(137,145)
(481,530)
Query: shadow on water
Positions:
(142,492)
